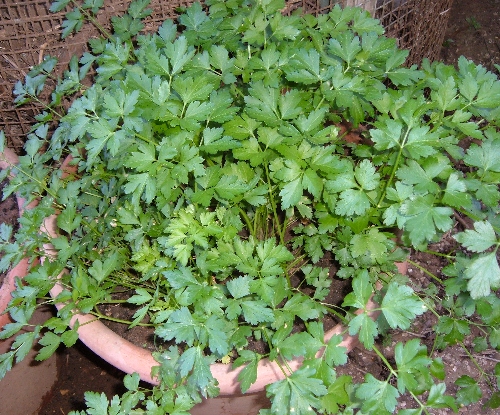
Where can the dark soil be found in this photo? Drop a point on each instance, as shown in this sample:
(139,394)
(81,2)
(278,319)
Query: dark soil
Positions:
(473,31)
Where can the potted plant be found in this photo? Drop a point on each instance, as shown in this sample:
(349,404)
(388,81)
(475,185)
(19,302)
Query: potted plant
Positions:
(205,176)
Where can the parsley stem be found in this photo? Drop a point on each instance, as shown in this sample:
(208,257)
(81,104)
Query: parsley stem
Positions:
(247,220)
(425,271)
(268,339)
(101,316)
(386,362)
(147,140)
(46,106)
(42,186)
(281,232)
(394,169)
(332,310)
(93,20)
(478,367)
(320,103)
(422,405)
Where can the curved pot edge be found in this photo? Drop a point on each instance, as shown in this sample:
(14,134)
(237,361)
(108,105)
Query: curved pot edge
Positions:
(130,358)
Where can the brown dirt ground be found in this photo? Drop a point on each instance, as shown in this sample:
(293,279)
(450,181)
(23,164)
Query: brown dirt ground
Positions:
(473,31)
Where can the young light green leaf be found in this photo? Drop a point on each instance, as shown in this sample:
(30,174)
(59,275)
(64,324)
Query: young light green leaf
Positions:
(372,244)
(248,375)
(366,329)
(400,306)
(423,218)
(362,290)
(438,399)
(297,394)
(469,390)
(480,239)
(412,362)
(377,395)
(483,273)
(50,343)
(192,362)
(239,287)
(97,403)
(142,296)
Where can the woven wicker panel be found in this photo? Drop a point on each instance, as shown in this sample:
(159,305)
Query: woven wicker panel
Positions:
(28,31)
(418,25)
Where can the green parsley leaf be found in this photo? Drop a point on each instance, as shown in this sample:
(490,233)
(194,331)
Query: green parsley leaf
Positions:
(483,273)
(50,343)
(377,395)
(372,244)
(437,398)
(362,290)
(297,394)
(239,287)
(412,362)
(480,239)
(469,391)
(193,362)
(422,218)
(366,329)
(248,375)
(97,403)
(256,311)
(400,306)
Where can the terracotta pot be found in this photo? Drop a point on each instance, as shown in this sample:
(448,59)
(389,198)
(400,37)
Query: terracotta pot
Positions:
(131,358)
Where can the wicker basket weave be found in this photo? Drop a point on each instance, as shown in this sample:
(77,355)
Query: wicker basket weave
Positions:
(28,31)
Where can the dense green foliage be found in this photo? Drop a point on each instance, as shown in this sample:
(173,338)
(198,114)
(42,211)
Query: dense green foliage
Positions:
(212,178)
